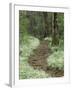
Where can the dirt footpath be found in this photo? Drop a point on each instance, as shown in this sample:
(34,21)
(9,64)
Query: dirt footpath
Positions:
(38,60)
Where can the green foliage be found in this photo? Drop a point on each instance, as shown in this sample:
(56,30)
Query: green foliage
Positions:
(28,72)
(26,49)
(56,60)
(28,44)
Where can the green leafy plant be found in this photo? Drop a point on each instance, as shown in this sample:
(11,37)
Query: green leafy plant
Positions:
(56,60)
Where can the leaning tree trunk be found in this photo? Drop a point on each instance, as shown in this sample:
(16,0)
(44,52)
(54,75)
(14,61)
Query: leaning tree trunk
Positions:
(55,33)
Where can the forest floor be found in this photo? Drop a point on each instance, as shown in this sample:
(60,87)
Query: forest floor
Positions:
(38,60)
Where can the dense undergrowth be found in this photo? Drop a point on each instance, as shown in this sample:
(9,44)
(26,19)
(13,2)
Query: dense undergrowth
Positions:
(56,59)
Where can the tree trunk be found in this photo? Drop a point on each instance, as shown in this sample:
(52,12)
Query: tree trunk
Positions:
(46,24)
(55,33)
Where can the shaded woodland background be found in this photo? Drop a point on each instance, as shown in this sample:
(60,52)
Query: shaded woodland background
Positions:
(34,28)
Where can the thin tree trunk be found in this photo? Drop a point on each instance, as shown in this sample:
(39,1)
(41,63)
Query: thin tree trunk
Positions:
(46,23)
(31,22)
(55,33)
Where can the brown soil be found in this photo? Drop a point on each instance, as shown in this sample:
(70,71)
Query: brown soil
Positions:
(38,60)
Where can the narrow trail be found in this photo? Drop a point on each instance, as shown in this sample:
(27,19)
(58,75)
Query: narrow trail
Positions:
(38,60)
